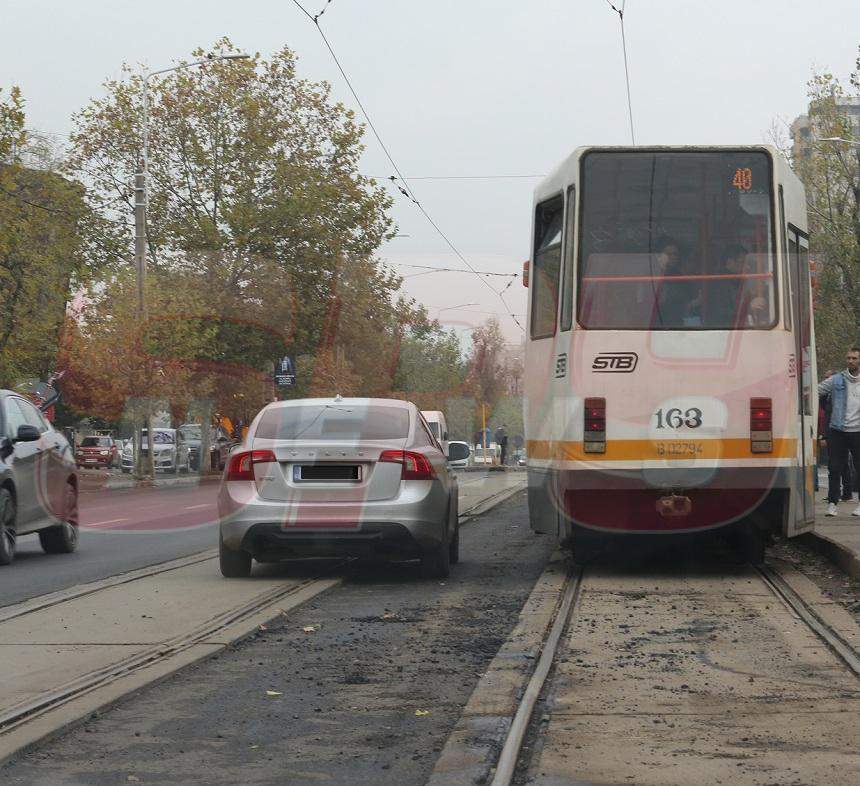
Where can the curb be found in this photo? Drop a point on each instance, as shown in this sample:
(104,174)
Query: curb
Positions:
(473,746)
(840,555)
(89,484)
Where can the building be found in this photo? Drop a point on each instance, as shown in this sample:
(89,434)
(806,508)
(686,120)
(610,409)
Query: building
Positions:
(801,128)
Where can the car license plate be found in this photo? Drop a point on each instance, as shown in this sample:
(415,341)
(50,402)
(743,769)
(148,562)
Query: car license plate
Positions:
(303,473)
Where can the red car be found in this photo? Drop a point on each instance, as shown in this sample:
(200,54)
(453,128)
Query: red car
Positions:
(97,452)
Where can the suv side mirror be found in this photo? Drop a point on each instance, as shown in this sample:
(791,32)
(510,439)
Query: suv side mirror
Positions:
(457,451)
(27,433)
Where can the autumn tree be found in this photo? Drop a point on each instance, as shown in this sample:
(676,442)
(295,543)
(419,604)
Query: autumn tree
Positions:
(256,199)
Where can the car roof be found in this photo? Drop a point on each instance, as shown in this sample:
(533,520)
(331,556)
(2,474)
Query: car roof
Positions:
(356,402)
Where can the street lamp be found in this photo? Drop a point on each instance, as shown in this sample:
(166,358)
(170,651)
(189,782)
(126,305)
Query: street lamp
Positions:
(837,139)
(141,203)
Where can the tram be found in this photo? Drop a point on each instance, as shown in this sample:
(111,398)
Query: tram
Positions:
(670,360)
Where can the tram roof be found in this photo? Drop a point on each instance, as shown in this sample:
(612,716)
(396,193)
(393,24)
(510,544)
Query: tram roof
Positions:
(567,171)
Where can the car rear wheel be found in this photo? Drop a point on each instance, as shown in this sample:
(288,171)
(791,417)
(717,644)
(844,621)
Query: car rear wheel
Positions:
(436,561)
(63,539)
(234,564)
(7,527)
(454,545)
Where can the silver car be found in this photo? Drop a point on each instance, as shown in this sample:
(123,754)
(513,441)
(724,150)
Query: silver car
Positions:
(38,480)
(332,477)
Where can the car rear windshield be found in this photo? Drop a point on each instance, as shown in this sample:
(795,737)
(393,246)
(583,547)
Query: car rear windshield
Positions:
(95,442)
(334,422)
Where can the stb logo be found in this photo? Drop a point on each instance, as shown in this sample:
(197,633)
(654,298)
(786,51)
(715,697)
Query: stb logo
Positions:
(615,362)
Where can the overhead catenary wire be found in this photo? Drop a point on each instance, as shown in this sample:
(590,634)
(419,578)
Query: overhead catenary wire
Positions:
(405,188)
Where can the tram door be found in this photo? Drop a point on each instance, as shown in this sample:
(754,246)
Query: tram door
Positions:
(802,507)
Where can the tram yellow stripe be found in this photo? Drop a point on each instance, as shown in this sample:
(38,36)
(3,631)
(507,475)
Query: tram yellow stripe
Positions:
(656,450)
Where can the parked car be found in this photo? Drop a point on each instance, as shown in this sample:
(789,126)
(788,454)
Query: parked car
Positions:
(171,451)
(219,445)
(463,462)
(439,427)
(97,451)
(332,477)
(38,480)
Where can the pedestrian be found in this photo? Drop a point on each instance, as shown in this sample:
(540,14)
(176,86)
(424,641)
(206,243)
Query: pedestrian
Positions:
(825,408)
(502,441)
(843,440)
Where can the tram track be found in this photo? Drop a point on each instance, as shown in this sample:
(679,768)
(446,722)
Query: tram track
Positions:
(27,711)
(510,762)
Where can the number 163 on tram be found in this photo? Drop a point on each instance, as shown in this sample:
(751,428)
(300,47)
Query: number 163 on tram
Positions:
(670,359)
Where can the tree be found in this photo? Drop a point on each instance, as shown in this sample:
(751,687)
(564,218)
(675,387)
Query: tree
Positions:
(486,378)
(831,174)
(256,196)
(42,255)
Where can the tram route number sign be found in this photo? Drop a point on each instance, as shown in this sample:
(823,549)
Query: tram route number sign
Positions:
(743,179)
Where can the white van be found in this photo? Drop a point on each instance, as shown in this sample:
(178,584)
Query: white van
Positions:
(436,421)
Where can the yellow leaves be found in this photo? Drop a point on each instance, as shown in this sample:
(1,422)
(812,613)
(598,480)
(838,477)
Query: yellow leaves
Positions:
(421,713)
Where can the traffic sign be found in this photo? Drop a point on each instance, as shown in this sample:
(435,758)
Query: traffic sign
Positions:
(285,372)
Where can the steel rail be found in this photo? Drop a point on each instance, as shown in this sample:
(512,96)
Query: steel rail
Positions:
(98,678)
(785,592)
(510,754)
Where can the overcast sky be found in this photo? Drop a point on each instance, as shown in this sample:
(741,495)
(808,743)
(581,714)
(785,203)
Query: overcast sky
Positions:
(468,87)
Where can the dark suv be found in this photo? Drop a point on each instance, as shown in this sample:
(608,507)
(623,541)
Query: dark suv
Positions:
(38,480)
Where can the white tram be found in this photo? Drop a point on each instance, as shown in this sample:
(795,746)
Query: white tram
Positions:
(670,364)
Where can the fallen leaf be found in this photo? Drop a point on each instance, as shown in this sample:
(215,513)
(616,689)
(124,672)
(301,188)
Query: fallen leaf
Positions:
(389,615)
(311,628)
(263,627)
(274,693)
(420,713)
(133,778)
(254,747)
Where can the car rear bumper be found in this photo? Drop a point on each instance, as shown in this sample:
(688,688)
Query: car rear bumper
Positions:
(411,522)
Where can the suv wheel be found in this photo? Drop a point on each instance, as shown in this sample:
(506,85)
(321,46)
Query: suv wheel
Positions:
(7,527)
(63,539)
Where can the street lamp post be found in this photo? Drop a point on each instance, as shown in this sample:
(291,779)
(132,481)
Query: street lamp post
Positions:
(141,203)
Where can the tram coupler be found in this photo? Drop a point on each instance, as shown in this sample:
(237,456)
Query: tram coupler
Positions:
(674,505)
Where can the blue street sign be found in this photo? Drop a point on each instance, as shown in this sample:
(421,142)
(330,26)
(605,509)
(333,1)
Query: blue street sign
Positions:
(285,372)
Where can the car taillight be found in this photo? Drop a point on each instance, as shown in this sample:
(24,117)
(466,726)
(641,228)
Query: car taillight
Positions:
(594,431)
(761,425)
(241,466)
(415,466)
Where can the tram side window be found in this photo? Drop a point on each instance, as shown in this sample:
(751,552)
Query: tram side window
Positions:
(546,267)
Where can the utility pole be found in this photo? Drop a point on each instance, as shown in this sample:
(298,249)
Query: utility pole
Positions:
(143,470)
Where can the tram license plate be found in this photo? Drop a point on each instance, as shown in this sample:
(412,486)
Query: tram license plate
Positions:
(679,449)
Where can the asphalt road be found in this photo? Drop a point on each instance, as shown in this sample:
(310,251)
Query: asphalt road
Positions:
(120,530)
(366,696)
(125,529)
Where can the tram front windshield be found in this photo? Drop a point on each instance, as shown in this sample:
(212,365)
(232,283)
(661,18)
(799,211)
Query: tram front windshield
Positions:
(676,241)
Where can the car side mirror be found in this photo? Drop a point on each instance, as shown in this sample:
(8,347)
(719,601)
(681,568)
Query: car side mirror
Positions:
(457,452)
(27,433)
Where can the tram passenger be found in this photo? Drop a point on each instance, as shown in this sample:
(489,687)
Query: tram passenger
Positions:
(844,434)
(847,479)
(732,302)
(672,298)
